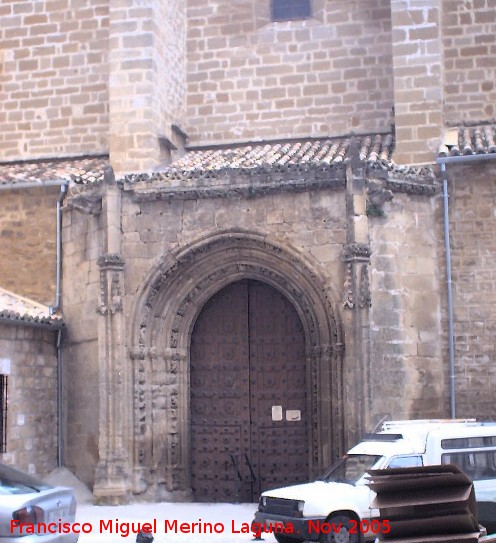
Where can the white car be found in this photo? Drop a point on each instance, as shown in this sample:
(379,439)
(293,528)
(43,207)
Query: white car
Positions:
(32,511)
(338,507)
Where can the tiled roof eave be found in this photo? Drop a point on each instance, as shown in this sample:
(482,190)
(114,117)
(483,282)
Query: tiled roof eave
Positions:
(475,141)
(10,317)
(205,165)
(17,309)
(83,170)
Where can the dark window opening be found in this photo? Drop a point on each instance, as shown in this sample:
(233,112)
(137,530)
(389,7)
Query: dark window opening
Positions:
(3,413)
(287,10)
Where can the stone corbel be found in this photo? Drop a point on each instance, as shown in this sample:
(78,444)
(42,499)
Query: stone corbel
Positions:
(90,203)
(377,196)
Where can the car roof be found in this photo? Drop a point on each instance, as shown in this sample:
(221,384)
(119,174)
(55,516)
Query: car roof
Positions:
(420,429)
(410,437)
(387,448)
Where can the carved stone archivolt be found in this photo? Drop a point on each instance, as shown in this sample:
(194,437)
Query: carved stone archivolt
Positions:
(163,320)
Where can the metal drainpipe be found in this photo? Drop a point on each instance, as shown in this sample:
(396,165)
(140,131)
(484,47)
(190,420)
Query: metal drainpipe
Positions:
(58,290)
(59,398)
(443,161)
(451,338)
(53,309)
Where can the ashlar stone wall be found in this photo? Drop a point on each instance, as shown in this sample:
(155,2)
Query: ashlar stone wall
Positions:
(250,78)
(32,397)
(469,51)
(417,70)
(147,82)
(472,192)
(408,371)
(152,229)
(28,220)
(80,287)
(54,78)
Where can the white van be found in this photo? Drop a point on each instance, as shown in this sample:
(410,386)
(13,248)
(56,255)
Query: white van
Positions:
(336,508)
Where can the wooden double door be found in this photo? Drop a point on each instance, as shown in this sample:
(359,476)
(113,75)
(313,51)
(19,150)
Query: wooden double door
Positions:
(248,386)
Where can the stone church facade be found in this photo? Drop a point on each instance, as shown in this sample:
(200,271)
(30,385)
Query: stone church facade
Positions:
(253,247)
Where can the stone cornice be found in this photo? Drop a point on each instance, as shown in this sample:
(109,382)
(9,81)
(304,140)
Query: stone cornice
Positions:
(236,183)
(411,188)
(413,180)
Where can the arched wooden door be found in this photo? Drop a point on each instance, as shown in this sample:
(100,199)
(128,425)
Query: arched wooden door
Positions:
(249,414)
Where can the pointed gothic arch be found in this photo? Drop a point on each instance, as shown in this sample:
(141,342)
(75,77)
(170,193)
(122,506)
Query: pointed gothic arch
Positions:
(163,319)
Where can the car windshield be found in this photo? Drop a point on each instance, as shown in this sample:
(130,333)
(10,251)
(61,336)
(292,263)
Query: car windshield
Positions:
(13,481)
(351,468)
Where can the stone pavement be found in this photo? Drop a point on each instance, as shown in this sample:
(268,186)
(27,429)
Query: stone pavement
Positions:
(208,522)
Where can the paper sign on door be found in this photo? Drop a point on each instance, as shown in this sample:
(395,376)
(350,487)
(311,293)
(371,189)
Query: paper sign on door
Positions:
(293,415)
(277,412)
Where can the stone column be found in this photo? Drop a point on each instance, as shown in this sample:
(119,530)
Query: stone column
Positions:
(356,303)
(112,473)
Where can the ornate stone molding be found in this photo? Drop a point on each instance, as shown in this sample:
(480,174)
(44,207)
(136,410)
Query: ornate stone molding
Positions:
(415,189)
(172,268)
(356,257)
(111,266)
(233,183)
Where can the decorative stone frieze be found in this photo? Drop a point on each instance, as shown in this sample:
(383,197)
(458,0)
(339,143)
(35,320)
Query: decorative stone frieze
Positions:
(224,184)
(414,189)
